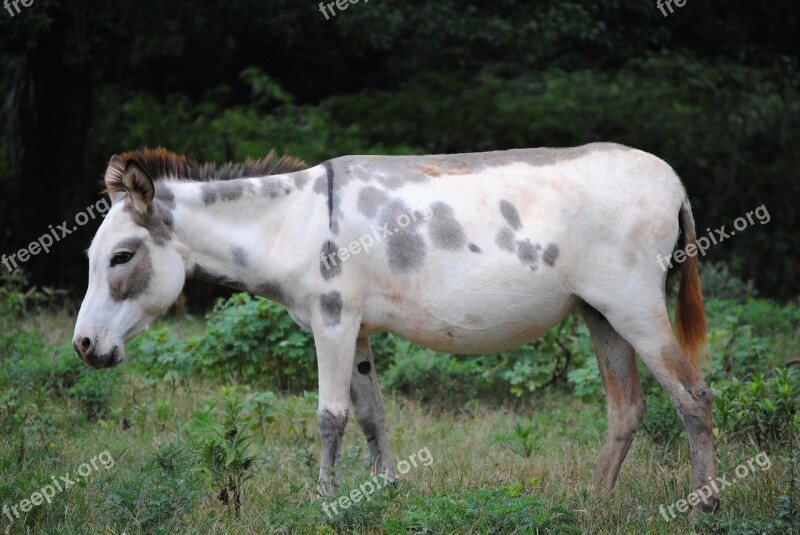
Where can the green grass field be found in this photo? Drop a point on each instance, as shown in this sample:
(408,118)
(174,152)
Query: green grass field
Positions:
(522,465)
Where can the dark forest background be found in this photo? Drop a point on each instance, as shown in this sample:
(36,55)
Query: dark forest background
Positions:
(712,88)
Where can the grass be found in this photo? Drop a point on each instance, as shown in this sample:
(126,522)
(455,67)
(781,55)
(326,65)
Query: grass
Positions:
(473,485)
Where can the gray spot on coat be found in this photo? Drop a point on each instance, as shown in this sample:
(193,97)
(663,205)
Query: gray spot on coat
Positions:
(551,254)
(331,304)
(271,187)
(510,214)
(321,185)
(208,193)
(474,248)
(229,190)
(528,253)
(505,239)
(370,199)
(239,256)
(445,231)
(330,265)
(405,247)
(300,180)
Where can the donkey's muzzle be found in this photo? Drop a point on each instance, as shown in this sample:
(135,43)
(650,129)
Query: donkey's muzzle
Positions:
(86,349)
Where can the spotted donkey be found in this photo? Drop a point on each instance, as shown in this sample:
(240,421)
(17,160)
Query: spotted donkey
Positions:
(463,253)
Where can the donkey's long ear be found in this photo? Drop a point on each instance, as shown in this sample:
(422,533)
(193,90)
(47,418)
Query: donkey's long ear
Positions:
(139,186)
(113,179)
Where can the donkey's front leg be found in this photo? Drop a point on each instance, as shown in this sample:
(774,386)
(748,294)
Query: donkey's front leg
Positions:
(335,334)
(368,405)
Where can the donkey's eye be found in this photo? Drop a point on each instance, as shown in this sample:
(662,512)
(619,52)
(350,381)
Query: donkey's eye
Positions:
(121,258)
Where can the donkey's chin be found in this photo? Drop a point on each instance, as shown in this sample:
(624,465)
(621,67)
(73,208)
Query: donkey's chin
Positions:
(108,360)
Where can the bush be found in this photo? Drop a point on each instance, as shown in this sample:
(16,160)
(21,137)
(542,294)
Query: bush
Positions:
(439,380)
(249,339)
(663,424)
(155,494)
(94,392)
(719,283)
(764,410)
(255,340)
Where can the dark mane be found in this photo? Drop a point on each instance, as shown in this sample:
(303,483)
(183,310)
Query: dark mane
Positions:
(160,163)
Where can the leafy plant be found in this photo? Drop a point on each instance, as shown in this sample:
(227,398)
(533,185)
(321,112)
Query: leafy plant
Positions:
(224,452)
(663,424)
(767,410)
(256,341)
(522,441)
(156,493)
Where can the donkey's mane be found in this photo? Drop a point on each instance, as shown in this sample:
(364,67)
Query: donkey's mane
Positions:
(161,163)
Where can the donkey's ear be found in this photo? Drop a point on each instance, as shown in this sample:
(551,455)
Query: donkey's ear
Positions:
(113,179)
(138,185)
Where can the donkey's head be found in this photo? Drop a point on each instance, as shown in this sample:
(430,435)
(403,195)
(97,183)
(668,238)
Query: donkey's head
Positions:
(136,270)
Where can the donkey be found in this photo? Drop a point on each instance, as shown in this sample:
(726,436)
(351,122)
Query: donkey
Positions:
(463,253)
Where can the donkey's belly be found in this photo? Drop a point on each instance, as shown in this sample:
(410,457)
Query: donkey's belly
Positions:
(470,321)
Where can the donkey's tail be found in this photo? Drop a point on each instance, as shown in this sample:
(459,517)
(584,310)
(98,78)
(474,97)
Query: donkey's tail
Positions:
(690,316)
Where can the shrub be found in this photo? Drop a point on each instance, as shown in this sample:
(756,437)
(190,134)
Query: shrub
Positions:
(94,392)
(223,449)
(662,425)
(765,410)
(154,494)
(719,283)
(255,340)
(439,380)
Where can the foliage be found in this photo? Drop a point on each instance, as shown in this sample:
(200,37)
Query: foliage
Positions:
(764,410)
(248,338)
(224,451)
(548,361)
(523,440)
(441,381)
(94,392)
(158,493)
(256,341)
(662,425)
(719,282)
(483,511)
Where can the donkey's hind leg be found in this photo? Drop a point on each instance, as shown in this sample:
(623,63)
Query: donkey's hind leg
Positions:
(625,400)
(368,406)
(648,331)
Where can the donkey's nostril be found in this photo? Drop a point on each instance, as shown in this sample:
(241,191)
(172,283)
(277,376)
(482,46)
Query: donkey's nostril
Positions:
(86,344)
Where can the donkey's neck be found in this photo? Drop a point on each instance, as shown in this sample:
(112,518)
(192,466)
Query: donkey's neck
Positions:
(251,234)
